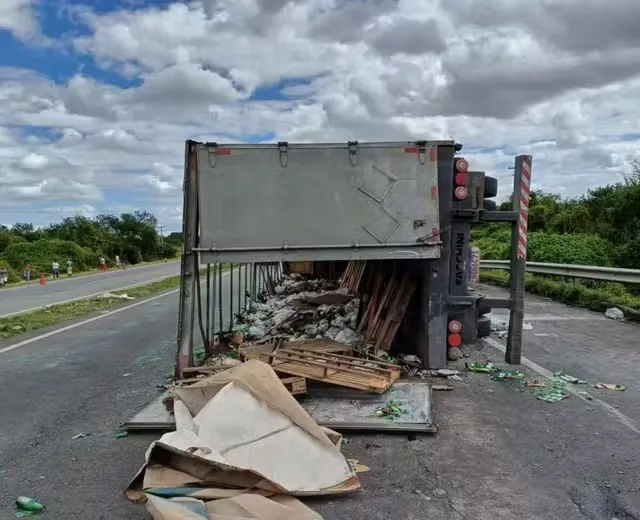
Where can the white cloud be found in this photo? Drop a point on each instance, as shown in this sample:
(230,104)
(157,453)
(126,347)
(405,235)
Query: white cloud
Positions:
(18,17)
(556,78)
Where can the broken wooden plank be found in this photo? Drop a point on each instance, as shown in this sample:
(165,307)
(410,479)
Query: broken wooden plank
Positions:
(396,314)
(295,384)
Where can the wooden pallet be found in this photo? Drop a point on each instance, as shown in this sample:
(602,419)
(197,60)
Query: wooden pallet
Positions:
(263,351)
(388,303)
(295,384)
(352,276)
(362,374)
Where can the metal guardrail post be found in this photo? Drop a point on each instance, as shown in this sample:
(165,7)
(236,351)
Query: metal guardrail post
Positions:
(521,188)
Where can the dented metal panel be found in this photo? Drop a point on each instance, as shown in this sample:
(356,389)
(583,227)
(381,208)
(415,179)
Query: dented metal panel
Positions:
(320,201)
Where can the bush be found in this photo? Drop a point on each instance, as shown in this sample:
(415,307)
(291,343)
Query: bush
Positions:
(576,248)
(131,254)
(494,241)
(6,239)
(42,253)
(14,275)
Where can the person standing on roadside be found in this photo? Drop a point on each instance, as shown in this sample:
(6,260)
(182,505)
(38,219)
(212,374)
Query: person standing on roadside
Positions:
(69,267)
(118,263)
(56,269)
(27,271)
(103,264)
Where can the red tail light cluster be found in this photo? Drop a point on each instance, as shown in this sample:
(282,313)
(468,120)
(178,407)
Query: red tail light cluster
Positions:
(461,178)
(455,339)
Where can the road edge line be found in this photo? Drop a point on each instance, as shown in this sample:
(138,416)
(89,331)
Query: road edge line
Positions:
(80,298)
(28,341)
(622,418)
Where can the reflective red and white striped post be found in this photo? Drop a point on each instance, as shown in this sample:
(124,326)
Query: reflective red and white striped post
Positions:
(525,197)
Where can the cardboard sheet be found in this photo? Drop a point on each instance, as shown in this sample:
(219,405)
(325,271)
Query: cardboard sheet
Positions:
(241,438)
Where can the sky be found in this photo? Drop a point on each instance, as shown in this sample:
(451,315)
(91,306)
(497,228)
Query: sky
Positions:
(97,97)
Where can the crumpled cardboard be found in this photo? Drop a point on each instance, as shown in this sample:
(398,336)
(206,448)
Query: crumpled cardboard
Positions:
(242,441)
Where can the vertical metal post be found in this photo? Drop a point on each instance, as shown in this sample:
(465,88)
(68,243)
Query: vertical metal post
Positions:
(214,280)
(246,286)
(434,299)
(255,282)
(521,189)
(239,289)
(207,326)
(189,261)
(231,298)
(220,310)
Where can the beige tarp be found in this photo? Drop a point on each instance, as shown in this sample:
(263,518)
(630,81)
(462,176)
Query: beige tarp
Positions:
(241,443)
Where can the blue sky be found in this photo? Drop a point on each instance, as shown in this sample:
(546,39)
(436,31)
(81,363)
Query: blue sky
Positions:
(97,97)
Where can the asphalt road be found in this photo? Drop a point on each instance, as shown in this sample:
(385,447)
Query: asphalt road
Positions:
(500,453)
(17,299)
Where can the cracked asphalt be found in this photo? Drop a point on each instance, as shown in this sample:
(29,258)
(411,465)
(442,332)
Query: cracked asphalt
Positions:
(499,454)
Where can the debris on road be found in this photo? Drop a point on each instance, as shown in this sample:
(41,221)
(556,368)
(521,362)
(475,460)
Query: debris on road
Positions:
(441,387)
(553,393)
(391,410)
(446,372)
(486,367)
(121,435)
(568,378)
(535,384)
(357,466)
(609,386)
(507,375)
(28,506)
(110,295)
(614,314)
(80,435)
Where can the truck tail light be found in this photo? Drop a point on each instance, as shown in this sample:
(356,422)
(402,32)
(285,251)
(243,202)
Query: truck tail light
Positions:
(462,165)
(461,178)
(454,339)
(455,326)
(461,193)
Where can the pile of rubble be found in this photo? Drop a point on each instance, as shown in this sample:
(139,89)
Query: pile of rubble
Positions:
(303,309)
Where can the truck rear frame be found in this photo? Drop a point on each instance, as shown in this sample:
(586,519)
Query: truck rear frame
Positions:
(260,205)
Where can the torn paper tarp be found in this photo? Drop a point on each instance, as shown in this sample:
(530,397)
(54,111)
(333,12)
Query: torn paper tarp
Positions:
(242,431)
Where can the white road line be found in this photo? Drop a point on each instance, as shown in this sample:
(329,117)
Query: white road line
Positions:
(83,322)
(70,300)
(9,348)
(617,414)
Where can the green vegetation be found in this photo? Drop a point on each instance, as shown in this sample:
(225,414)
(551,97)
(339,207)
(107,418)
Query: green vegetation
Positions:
(132,236)
(599,228)
(22,323)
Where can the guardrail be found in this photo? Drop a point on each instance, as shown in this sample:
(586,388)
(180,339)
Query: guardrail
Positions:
(587,272)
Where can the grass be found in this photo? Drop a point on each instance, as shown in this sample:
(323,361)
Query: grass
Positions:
(15,325)
(595,296)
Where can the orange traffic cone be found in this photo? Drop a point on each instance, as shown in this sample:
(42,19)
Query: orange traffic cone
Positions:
(43,279)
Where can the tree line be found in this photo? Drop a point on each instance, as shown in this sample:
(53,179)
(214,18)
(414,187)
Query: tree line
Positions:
(601,227)
(134,237)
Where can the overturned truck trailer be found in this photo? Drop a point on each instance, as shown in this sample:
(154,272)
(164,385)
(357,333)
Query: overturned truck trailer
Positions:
(249,209)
